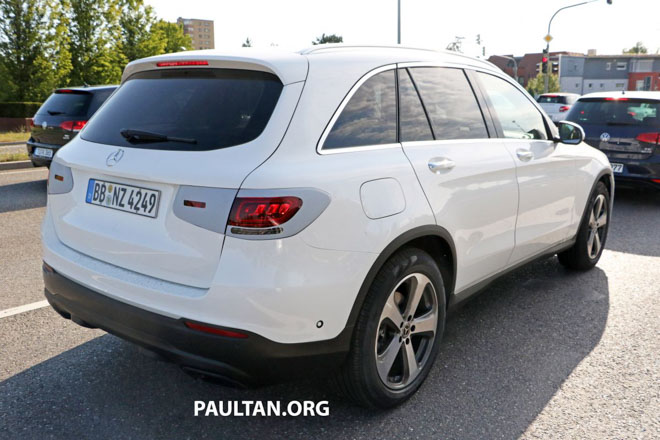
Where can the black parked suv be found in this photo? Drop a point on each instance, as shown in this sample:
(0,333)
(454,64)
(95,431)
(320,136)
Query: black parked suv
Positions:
(626,127)
(60,119)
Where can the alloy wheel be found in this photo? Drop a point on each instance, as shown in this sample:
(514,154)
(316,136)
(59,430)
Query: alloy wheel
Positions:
(597,225)
(406,331)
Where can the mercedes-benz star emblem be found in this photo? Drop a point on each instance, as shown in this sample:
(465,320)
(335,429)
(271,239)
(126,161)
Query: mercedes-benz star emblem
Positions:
(605,137)
(115,157)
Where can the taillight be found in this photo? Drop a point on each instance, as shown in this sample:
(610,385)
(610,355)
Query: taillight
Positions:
(263,212)
(564,108)
(649,138)
(31,122)
(73,125)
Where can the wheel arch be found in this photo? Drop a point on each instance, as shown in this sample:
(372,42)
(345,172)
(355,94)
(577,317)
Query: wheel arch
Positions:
(434,240)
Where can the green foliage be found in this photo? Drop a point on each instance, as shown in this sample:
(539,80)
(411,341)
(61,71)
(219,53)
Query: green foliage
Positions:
(18,109)
(536,85)
(248,43)
(138,39)
(172,35)
(325,39)
(638,48)
(45,44)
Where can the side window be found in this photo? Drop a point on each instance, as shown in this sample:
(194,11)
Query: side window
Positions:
(369,118)
(414,125)
(517,115)
(450,103)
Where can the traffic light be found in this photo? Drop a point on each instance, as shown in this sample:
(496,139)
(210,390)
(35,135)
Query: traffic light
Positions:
(544,61)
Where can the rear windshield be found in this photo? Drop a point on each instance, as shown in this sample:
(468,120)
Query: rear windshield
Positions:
(552,99)
(211,108)
(621,111)
(71,103)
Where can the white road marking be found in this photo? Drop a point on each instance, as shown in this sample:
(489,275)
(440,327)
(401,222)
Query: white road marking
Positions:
(30,170)
(22,309)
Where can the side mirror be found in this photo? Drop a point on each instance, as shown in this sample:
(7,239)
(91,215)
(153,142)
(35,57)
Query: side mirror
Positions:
(570,133)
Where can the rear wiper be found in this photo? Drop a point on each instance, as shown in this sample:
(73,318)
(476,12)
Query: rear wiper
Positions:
(149,136)
(54,112)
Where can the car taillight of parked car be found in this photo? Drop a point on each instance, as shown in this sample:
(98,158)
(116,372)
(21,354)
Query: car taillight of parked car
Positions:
(263,212)
(649,138)
(564,108)
(73,125)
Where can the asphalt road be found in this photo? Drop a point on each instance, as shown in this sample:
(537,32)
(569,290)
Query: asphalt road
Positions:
(542,353)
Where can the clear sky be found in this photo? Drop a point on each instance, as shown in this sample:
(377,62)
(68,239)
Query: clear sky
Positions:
(506,26)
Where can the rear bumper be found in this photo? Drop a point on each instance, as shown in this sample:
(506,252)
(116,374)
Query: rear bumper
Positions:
(638,172)
(39,160)
(249,361)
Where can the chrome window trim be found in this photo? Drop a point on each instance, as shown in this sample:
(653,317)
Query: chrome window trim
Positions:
(340,109)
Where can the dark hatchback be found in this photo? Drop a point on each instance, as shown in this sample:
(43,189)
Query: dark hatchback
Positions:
(60,119)
(626,127)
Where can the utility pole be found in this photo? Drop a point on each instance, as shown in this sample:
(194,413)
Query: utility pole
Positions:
(398,22)
(548,38)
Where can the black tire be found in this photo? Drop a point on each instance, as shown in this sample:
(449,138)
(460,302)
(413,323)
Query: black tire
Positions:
(359,377)
(578,256)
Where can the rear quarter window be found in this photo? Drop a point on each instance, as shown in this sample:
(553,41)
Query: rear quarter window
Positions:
(217,108)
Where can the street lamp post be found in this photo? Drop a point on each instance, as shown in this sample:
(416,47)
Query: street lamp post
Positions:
(548,38)
(398,22)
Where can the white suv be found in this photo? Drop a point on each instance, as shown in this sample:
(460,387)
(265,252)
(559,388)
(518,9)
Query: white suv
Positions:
(257,216)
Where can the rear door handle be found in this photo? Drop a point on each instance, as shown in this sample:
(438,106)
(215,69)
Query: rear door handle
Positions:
(524,155)
(438,164)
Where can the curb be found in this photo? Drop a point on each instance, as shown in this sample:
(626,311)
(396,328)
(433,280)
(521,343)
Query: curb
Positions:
(16,165)
(9,144)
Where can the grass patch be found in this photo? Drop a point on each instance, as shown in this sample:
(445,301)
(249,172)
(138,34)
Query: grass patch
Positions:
(13,157)
(14,136)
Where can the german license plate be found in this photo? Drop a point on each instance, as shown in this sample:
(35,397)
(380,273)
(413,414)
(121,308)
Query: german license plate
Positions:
(617,167)
(127,198)
(43,152)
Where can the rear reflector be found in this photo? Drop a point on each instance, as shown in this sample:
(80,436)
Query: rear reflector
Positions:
(182,63)
(58,177)
(194,204)
(564,108)
(73,125)
(263,212)
(649,138)
(215,330)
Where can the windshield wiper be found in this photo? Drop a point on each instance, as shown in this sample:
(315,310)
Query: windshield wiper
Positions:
(54,112)
(149,136)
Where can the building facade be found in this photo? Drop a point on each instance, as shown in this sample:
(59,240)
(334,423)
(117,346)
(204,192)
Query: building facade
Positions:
(582,74)
(201,32)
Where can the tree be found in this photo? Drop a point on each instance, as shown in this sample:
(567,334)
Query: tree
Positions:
(325,39)
(248,43)
(638,48)
(136,23)
(536,85)
(24,68)
(173,36)
(96,53)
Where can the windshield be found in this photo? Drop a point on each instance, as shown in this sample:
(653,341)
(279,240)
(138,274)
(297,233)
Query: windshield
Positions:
(216,108)
(66,103)
(623,111)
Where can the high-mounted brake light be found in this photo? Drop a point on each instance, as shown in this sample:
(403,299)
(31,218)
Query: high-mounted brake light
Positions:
(649,138)
(263,212)
(564,108)
(64,91)
(616,99)
(182,63)
(73,125)
(214,330)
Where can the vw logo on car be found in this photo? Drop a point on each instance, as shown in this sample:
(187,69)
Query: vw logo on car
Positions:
(115,157)
(605,137)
